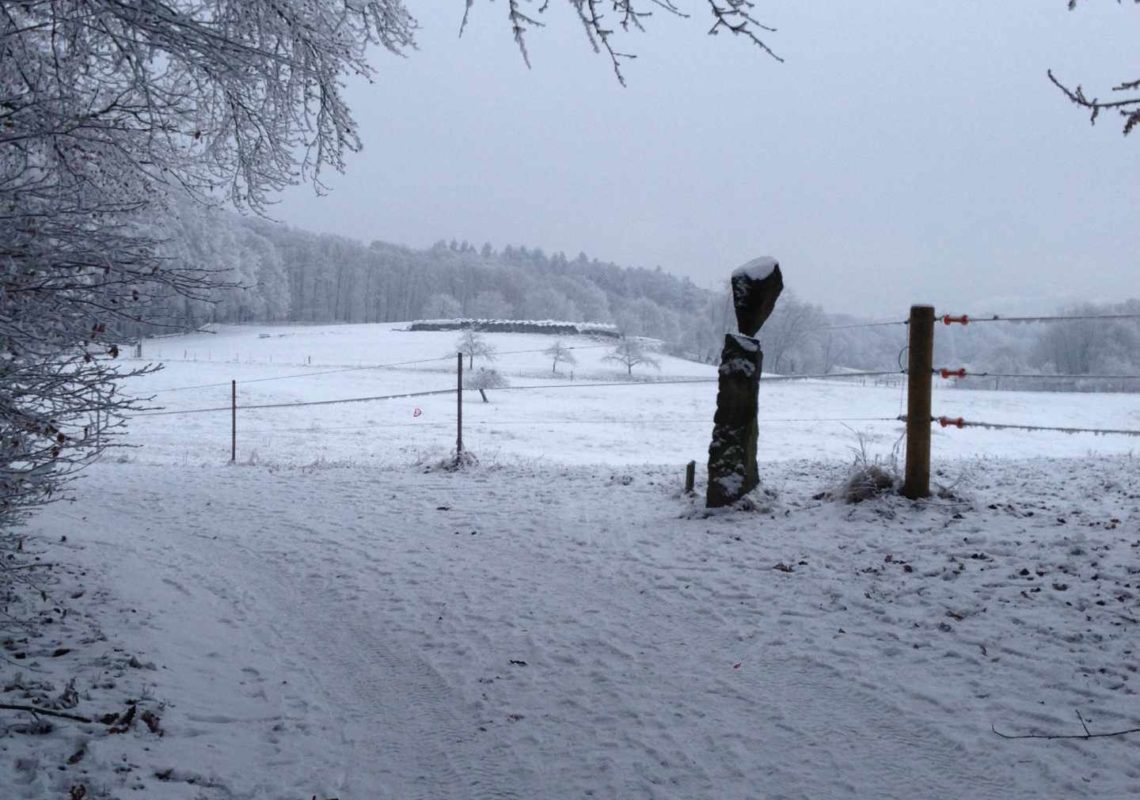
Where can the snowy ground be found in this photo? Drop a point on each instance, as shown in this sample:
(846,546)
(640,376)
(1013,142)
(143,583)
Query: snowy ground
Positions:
(330,619)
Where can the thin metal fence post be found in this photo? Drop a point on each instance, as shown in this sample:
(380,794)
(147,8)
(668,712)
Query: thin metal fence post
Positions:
(233,421)
(459,405)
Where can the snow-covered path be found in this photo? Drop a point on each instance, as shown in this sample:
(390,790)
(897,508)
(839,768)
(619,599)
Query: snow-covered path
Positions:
(310,623)
(568,632)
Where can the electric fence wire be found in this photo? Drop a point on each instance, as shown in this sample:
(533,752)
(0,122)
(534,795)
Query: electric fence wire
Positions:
(403,395)
(856,325)
(261,406)
(1038,376)
(1001,426)
(450,424)
(851,326)
(1053,318)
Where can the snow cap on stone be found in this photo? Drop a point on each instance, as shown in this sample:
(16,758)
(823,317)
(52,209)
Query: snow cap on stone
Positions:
(757,269)
(755,287)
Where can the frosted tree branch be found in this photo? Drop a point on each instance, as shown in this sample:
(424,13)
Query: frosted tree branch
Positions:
(733,16)
(1127,107)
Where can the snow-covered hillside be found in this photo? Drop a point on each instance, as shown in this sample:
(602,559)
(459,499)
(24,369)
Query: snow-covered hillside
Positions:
(333,618)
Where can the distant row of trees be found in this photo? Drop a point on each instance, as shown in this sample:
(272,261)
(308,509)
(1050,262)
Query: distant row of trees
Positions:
(285,274)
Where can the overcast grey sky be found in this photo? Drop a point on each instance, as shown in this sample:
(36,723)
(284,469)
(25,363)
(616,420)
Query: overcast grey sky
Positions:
(907,151)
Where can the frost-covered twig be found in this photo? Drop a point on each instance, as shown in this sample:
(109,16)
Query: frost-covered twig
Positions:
(1128,107)
(1086,735)
(45,712)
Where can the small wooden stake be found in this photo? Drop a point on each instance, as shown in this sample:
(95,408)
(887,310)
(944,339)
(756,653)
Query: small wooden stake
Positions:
(459,405)
(233,421)
(690,476)
(920,379)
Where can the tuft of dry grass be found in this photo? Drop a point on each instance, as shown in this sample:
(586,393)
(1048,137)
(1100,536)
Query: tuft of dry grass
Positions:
(868,477)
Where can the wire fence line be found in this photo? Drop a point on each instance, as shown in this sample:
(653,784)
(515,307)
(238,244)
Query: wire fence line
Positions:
(960,373)
(965,319)
(956,422)
(672,420)
(656,421)
(968,319)
(301,404)
(674,381)
(833,376)
(946,318)
(959,422)
(945,373)
(857,325)
(312,374)
(948,423)
(530,387)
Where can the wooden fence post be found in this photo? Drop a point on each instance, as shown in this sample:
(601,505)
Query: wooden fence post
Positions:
(690,477)
(920,379)
(459,405)
(233,421)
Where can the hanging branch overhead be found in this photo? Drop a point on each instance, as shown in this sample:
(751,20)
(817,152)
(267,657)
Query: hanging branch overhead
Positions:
(603,20)
(1127,107)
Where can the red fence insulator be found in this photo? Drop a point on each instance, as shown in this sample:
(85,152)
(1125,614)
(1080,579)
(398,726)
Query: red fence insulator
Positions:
(956,422)
(949,320)
(953,373)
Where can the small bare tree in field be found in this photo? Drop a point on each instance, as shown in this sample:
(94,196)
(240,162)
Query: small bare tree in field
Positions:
(631,353)
(559,352)
(486,379)
(472,345)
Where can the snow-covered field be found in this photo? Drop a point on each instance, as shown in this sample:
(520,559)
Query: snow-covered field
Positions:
(547,418)
(332,618)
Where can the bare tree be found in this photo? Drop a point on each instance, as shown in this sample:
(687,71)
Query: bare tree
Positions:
(1127,106)
(486,379)
(630,353)
(560,352)
(790,325)
(472,344)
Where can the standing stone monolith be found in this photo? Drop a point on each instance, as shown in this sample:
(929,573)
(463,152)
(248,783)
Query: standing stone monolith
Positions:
(733,471)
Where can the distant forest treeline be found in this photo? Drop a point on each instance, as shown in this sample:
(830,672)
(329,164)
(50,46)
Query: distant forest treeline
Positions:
(282,274)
